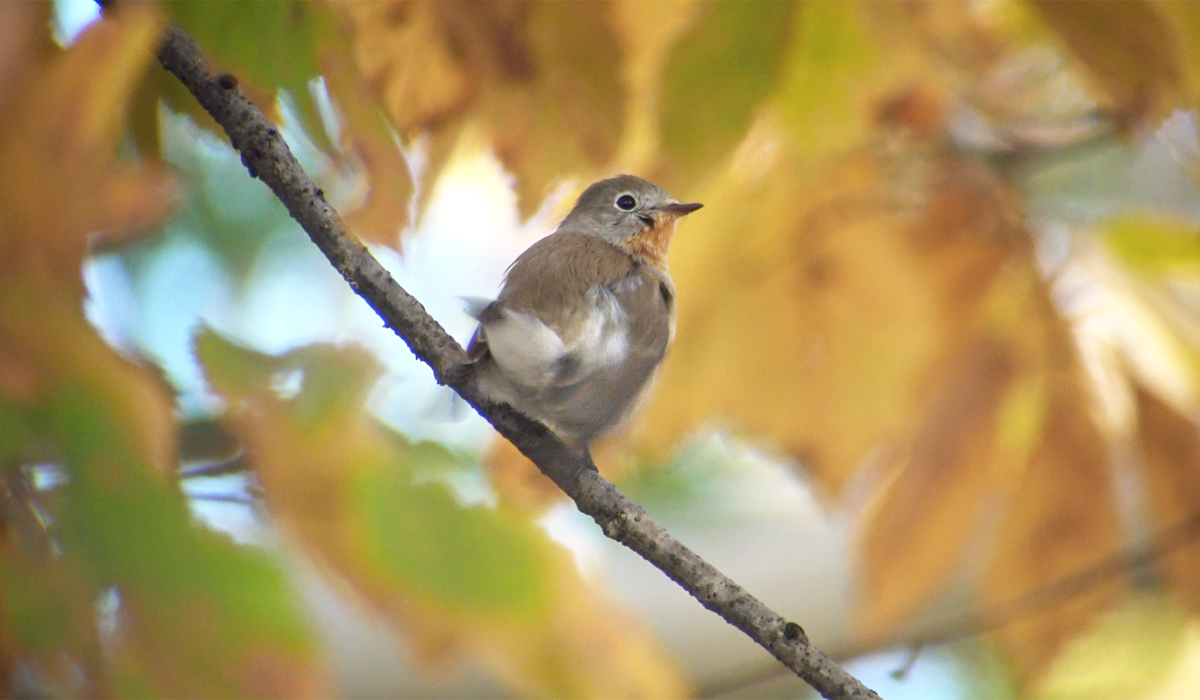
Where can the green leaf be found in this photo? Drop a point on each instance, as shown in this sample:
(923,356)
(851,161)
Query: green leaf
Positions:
(35,609)
(719,73)
(15,434)
(417,536)
(227,363)
(336,381)
(474,559)
(1154,244)
(332,382)
(202,611)
(269,44)
(822,89)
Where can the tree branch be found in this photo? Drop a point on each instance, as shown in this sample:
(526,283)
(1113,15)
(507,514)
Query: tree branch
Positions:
(268,158)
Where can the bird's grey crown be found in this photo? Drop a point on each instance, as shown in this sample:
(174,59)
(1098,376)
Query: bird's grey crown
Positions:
(597,210)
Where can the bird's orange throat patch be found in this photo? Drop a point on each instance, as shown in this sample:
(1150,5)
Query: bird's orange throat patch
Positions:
(651,244)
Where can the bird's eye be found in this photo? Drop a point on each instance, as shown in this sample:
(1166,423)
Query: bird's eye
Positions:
(626,202)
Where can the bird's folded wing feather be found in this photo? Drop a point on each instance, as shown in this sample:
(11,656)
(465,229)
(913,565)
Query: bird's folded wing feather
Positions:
(574,304)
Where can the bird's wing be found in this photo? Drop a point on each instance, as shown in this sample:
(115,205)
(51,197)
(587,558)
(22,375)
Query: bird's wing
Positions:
(547,312)
(607,378)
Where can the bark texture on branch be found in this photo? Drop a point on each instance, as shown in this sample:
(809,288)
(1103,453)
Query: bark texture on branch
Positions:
(268,158)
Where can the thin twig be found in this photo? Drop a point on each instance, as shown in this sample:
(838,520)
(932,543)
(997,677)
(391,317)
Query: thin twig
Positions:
(236,464)
(268,158)
(224,498)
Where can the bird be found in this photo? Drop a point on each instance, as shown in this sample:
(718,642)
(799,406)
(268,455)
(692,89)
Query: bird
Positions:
(585,315)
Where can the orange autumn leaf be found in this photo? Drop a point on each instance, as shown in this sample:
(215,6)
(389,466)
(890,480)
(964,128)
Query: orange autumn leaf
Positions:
(71,117)
(380,211)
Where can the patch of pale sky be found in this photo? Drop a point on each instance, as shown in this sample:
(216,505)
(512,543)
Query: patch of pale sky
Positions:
(72,17)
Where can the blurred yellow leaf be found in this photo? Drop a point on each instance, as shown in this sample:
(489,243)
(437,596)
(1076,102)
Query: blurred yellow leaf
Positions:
(894,315)
(23,41)
(861,291)
(823,322)
(987,418)
(1122,654)
(930,508)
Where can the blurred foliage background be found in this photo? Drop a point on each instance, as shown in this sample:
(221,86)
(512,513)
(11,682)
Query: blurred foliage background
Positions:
(935,384)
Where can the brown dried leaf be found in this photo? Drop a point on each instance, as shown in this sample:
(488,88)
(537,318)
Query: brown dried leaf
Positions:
(930,508)
(1170,444)
(566,116)
(1131,50)
(1061,518)
(24,41)
(425,71)
(542,81)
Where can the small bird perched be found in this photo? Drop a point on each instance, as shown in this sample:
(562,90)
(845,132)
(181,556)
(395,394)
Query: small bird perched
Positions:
(586,313)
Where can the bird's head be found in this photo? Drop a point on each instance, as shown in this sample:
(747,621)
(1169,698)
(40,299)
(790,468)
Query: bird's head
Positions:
(630,212)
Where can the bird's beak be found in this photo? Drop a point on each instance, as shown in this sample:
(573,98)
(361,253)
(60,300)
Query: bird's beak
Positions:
(677,209)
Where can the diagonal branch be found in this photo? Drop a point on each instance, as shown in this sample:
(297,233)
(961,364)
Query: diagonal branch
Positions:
(268,158)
